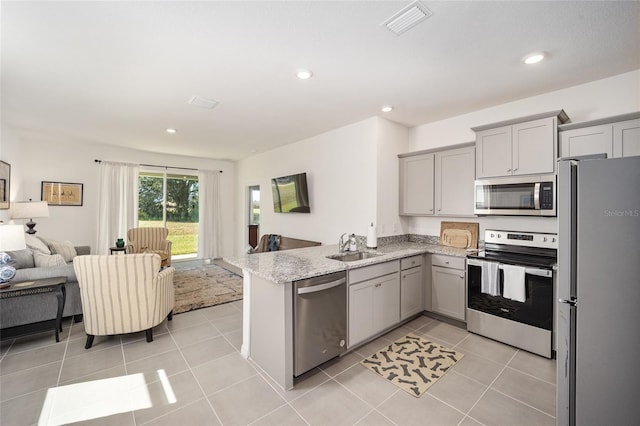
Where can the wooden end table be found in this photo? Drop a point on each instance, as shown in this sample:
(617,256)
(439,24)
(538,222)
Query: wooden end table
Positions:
(46,285)
(118,249)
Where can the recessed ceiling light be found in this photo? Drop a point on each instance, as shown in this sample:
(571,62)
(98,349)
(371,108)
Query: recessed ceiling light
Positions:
(533,58)
(171,131)
(387,108)
(304,74)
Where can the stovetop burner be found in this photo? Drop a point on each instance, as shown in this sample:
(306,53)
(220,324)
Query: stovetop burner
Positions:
(515,259)
(519,248)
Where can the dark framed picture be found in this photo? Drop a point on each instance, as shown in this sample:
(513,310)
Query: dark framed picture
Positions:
(5,183)
(62,193)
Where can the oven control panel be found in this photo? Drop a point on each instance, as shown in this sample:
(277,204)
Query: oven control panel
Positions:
(526,239)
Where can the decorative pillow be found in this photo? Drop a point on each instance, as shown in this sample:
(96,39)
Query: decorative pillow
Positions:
(36,245)
(64,248)
(48,260)
(22,258)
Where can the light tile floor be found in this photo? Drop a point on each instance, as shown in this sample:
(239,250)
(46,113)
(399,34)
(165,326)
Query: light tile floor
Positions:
(192,374)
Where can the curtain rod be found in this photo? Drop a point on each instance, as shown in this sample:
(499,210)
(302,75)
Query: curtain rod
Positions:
(165,167)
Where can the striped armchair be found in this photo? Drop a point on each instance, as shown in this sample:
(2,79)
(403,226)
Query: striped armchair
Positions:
(123,294)
(149,240)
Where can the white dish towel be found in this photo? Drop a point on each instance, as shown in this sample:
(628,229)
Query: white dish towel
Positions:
(514,288)
(490,278)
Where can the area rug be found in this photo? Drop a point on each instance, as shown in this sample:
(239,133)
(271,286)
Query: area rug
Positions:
(412,363)
(205,286)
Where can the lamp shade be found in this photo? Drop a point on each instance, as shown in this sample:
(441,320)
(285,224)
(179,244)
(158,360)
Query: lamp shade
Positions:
(29,209)
(12,238)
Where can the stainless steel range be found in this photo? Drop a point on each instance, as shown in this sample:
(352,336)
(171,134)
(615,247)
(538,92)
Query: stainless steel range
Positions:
(510,289)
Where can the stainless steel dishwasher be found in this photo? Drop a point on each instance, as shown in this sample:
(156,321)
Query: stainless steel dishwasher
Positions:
(320,320)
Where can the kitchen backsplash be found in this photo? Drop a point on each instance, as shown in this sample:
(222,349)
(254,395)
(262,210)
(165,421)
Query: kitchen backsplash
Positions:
(394,239)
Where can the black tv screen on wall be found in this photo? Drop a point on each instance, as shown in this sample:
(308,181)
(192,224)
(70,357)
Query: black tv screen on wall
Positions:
(290,194)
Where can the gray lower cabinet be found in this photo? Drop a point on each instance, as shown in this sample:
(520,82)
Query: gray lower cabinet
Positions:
(411,286)
(374,300)
(448,286)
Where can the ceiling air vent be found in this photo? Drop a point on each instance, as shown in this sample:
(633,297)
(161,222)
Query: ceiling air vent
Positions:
(202,102)
(407,18)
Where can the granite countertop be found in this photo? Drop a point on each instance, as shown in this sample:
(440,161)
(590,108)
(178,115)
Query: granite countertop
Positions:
(298,264)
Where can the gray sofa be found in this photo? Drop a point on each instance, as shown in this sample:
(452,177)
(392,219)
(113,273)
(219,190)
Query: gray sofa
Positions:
(20,311)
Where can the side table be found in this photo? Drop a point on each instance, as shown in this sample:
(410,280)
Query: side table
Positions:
(117,249)
(46,285)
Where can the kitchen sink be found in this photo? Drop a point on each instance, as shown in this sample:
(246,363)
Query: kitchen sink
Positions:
(352,256)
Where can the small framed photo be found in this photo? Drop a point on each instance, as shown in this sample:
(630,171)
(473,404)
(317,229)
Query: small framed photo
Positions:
(62,193)
(5,181)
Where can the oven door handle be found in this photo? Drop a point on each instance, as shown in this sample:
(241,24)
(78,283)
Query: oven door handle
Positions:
(535,271)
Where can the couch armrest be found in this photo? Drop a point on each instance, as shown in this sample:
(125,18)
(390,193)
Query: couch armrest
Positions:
(287,243)
(83,250)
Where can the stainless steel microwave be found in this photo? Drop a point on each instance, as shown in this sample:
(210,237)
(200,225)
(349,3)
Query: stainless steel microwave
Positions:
(519,196)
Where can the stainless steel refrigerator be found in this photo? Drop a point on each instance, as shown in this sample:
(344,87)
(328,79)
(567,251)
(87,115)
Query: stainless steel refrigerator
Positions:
(598,336)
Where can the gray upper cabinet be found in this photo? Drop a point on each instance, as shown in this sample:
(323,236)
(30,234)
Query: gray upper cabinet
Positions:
(586,141)
(534,147)
(454,182)
(626,138)
(617,136)
(493,152)
(416,185)
(437,182)
(519,149)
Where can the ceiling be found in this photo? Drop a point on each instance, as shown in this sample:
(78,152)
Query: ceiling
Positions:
(120,73)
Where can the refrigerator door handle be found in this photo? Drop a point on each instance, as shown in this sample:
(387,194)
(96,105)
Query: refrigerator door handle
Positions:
(571,301)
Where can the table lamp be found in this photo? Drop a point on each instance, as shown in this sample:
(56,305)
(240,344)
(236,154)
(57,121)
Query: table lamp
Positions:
(11,238)
(29,210)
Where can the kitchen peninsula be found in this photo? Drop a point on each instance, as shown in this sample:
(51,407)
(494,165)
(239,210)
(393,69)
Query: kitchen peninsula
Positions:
(268,321)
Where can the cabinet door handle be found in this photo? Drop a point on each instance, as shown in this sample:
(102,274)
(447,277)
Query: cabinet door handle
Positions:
(404,277)
(508,170)
(379,284)
(446,262)
(515,169)
(430,210)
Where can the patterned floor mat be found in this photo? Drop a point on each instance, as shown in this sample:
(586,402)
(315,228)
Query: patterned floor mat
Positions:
(412,363)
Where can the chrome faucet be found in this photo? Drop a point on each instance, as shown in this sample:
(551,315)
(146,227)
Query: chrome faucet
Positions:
(342,243)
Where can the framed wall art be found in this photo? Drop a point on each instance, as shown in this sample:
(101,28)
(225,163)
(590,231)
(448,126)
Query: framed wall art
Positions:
(62,193)
(5,183)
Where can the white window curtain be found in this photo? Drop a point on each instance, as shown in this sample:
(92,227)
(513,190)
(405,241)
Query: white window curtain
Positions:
(210,212)
(117,204)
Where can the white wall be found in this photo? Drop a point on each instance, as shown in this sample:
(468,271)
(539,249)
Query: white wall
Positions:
(393,139)
(341,167)
(33,162)
(598,99)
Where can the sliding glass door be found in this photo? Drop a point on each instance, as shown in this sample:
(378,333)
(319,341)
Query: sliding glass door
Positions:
(171,200)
